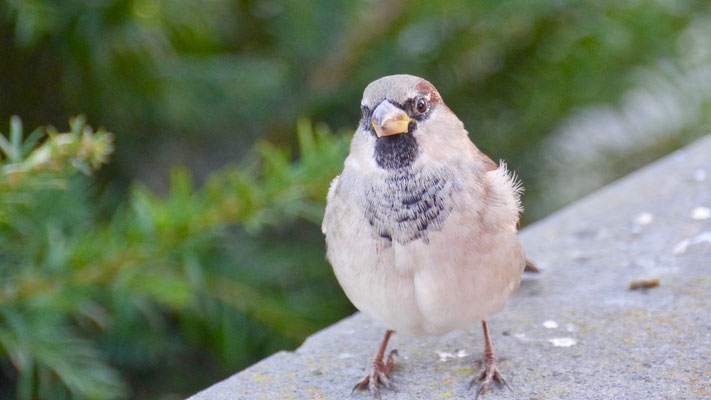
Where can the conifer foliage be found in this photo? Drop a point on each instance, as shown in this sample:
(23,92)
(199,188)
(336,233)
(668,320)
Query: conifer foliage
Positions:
(88,299)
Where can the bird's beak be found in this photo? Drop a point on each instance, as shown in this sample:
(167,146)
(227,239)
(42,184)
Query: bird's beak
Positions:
(389,120)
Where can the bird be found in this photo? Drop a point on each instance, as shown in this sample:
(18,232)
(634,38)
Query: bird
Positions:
(421,226)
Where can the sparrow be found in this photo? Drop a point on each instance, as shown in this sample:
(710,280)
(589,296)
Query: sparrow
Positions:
(421,226)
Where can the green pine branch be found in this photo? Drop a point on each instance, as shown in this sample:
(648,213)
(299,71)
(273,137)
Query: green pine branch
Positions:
(65,270)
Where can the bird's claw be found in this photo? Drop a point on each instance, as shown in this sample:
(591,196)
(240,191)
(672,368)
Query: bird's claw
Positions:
(379,375)
(487,376)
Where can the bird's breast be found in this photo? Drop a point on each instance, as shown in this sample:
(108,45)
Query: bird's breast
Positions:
(405,205)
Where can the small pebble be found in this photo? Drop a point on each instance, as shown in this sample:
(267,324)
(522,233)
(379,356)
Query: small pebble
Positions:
(550,324)
(681,247)
(700,213)
(644,283)
(644,218)
(444,355)
(563,342)
(703,237)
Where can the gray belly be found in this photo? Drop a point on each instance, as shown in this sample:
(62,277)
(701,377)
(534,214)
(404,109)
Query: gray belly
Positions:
(405,206)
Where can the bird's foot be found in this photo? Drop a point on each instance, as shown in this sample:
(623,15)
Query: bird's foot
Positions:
(379,375)
(488,375)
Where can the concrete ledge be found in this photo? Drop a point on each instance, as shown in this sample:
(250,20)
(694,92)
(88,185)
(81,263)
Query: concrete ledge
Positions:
(576,331)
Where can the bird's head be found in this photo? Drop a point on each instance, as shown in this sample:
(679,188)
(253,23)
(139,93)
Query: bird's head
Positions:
(404,117)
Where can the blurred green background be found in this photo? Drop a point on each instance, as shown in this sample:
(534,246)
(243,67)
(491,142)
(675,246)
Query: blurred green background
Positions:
(155,260)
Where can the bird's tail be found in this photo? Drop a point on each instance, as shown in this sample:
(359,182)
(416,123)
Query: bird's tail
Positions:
(531,267)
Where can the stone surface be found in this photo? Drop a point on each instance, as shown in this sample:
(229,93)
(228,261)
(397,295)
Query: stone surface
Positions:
(575,331)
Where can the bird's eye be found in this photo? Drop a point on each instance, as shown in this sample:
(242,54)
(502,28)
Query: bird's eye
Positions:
(421,105)
(364,112)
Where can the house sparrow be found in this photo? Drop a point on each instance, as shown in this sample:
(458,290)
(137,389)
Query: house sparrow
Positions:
(421,225)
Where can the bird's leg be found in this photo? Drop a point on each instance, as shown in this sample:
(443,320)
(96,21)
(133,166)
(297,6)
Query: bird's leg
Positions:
(490,372)
(379,371)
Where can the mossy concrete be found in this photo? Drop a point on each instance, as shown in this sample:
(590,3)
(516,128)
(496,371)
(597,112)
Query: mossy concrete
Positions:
(576,331)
